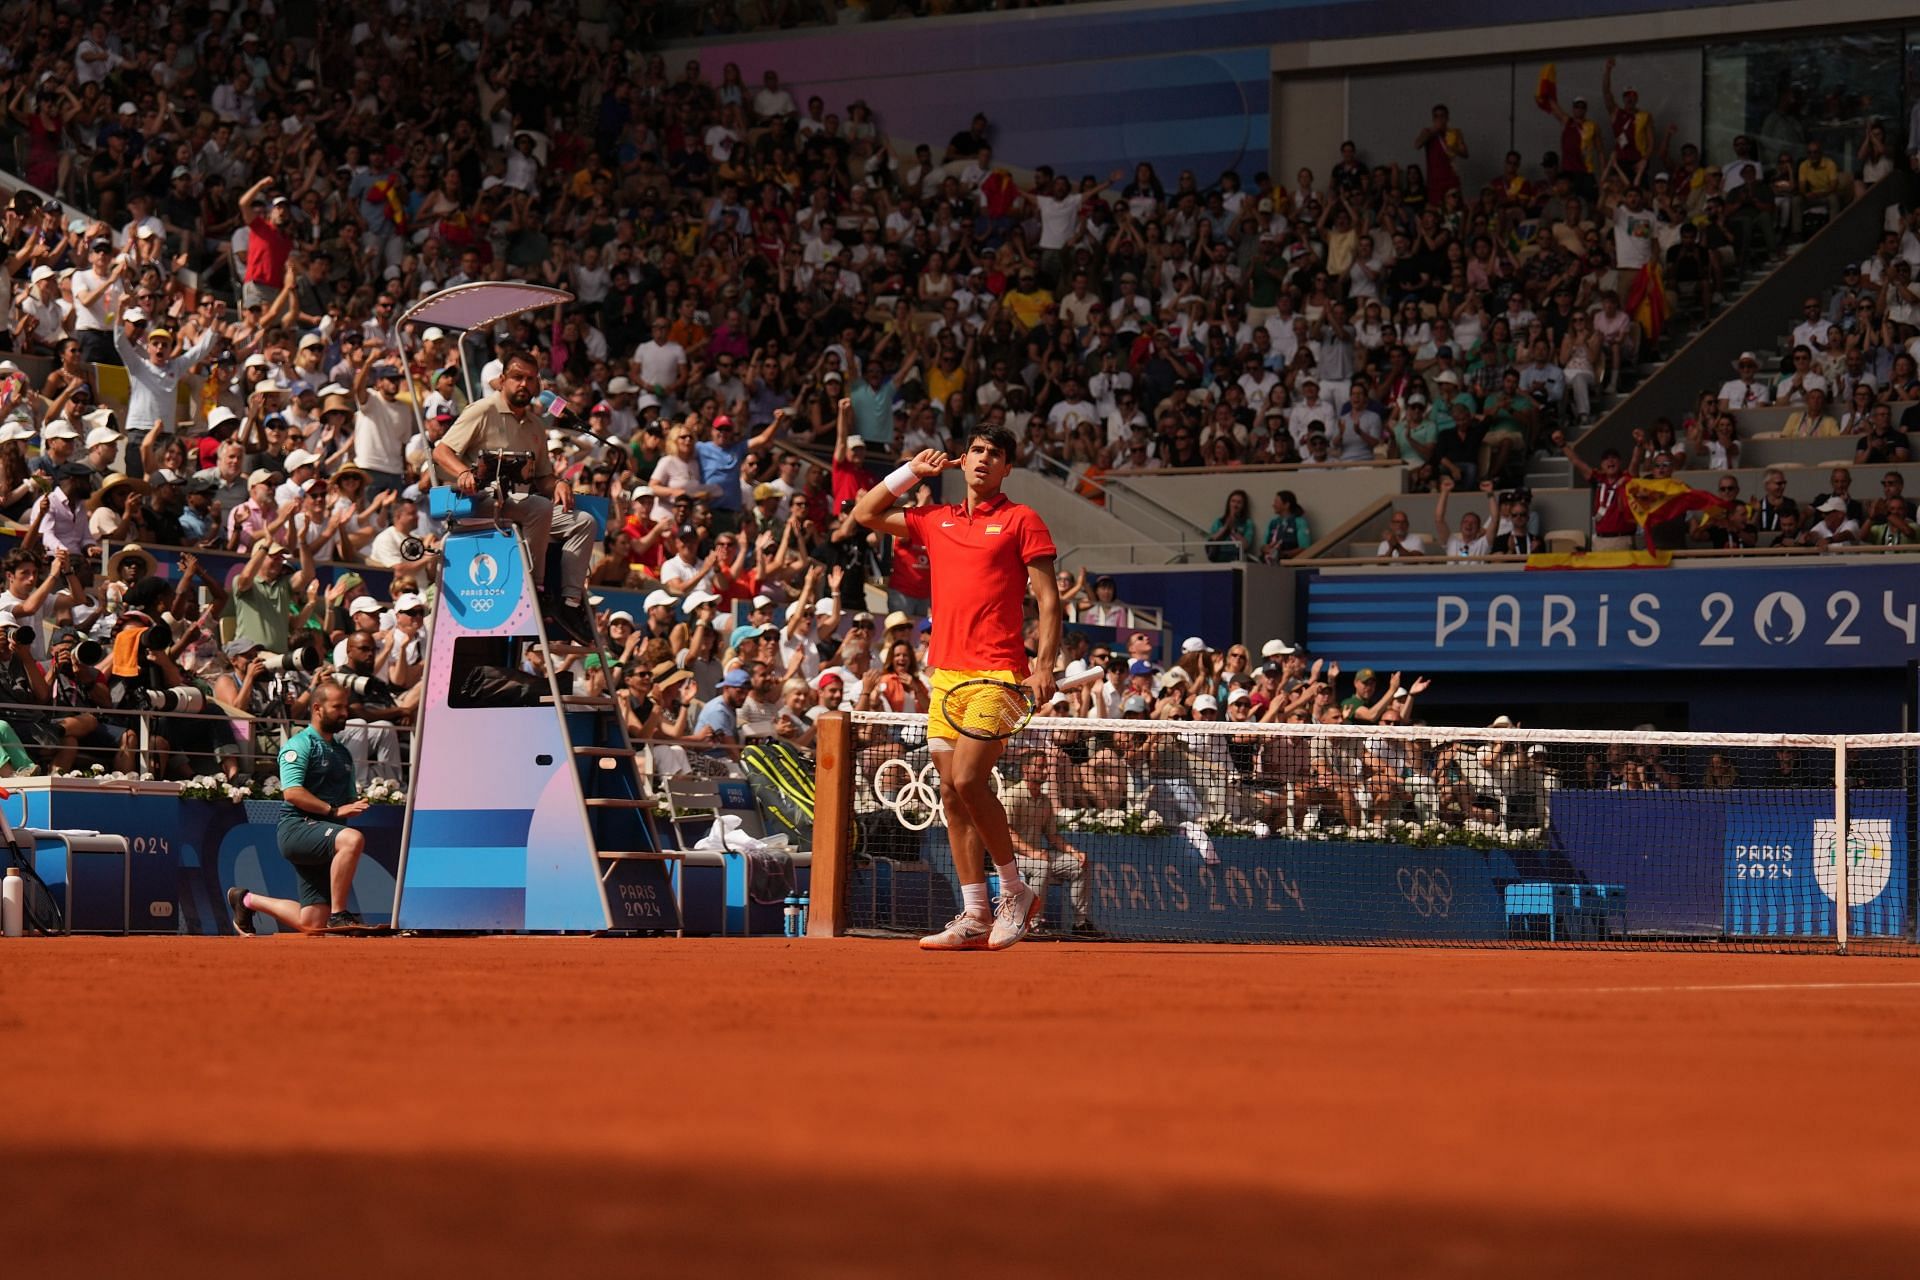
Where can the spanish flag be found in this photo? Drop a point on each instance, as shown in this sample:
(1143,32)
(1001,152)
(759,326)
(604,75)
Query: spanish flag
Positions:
(1600,560)
(1546,94)
(387,191)
(1658,501)
(1647,300)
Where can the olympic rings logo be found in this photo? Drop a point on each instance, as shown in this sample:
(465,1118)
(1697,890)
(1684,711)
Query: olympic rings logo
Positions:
(1429,892)
(914,795)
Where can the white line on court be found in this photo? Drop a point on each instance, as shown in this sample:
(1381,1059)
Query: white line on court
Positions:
(1727,986)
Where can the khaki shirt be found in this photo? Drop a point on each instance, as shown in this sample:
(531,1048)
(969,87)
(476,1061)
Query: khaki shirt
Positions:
(488,424)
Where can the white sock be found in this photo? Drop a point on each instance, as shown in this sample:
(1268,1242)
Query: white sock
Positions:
(973,898)
(1010,877)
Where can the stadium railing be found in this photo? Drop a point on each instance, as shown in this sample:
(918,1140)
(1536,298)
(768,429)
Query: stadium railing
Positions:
(1228,831)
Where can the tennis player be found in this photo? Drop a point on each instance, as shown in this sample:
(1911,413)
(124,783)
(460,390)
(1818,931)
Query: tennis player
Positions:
(984,554)
(316,777)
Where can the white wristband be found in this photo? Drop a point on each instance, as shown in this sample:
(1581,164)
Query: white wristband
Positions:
(902,481)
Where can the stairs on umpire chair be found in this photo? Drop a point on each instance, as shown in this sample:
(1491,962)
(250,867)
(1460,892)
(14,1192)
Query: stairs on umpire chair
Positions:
(627,849)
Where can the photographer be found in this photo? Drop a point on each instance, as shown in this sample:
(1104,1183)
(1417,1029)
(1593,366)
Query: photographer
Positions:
(268,686)
(372,712)
(76,686)
(153,682)
(23,688)
(27,602)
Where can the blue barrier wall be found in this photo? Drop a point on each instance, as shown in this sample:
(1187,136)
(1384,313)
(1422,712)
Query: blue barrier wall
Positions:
(186,853)
(1683,864)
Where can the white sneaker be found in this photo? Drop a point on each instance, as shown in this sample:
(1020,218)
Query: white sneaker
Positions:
(1012,916)
(965,932)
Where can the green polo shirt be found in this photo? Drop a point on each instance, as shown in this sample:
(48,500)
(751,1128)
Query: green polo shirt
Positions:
(323,768)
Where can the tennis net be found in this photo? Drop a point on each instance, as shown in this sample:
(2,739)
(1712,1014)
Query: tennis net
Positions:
(1234,831)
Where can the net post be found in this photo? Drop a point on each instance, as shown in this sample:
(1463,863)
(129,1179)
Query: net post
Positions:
(833,819)
(1842,852)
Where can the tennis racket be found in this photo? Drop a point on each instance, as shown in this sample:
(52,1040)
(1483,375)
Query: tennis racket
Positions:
(989,710)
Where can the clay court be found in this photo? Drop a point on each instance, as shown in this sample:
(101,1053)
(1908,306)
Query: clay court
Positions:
(514,1107)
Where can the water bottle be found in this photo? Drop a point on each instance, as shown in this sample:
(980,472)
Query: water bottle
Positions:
(790,917)
(13,904)
(806,903)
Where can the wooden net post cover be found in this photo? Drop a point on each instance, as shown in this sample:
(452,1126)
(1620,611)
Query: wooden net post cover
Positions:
(832,825)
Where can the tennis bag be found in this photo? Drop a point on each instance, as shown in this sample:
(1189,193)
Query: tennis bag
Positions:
(782,779)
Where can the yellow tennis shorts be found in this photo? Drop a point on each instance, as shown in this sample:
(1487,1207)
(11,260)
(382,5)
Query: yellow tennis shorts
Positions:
(943,680)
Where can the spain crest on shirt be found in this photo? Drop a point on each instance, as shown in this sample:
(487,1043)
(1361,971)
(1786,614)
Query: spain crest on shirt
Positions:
(994,528)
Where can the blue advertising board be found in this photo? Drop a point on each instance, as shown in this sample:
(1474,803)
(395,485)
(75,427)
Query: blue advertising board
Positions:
(185,853)
(1684,863)
(1803,616)
(1783,879)
(1250,890)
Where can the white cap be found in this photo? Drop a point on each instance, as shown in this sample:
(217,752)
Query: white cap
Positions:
(1238,695)
(620,386)
(410,600)
(220,417)
(619,615)
(41,272)
(1193,644)
(335,389)
(694,600)
(1206,702)
(365,604)
(823,606)
(1501,722)
(308,486)
(103,435)
(59,429)
(255,361)
(133,315)
(763,602)
(1832,504)
(657,598)
(1276,649)
(1746,356)
(300,458)
(307,340)
(433,334)
(14,430)
(647,400)
(1057,700)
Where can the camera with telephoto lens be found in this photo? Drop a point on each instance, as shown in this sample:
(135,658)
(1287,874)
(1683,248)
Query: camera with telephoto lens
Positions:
(363,686)
(22,634)
(302,659)
(182,697)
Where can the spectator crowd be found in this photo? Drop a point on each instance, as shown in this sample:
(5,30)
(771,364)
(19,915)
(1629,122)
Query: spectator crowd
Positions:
(771,302)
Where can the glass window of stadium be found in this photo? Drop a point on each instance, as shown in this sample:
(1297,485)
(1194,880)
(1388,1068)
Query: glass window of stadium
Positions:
(1781,93)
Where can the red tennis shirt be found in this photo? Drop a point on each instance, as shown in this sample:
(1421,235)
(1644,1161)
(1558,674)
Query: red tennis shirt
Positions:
(979,565)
